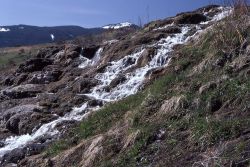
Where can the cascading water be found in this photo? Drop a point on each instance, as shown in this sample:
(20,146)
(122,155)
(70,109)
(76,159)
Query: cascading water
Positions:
(86,62)
(130,86)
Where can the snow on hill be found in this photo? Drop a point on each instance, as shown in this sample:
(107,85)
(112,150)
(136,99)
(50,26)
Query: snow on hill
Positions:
(118,26)
(4,29)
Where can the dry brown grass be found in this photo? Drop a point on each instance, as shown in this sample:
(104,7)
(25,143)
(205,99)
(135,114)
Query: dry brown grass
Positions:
(230,34)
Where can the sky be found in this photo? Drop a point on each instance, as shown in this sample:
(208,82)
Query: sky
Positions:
(92,13)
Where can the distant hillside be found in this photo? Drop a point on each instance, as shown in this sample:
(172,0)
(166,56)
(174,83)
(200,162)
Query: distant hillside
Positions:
(20,35)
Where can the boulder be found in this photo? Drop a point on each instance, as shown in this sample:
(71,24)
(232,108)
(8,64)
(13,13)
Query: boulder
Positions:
(20,153)
(23,119)
(190,18)
(146,57)
(205,88)
(84,85)
(13,157)
(118,80)
(172,30)
(172,105)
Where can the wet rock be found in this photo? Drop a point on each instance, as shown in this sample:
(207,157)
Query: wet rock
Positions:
(23,119)
(22,91)
(118,80)
(85,84)
(146,57)
(1,144)
(20,153)
(190,18)
(36,64)
(34,149)
(94,103)
(79,99)
(14,156)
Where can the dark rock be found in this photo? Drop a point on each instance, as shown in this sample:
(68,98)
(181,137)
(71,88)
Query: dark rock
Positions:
(85,84)
(23,119)
(21,78)
(48,52)
(73,48)
(190,18)
(172,30)
(34,149)
(94,103)
(72,55)
(77,100)
(9,81)
(90,52)
(215,104)
(118,80)
(12,124)
(36,64)
(1,144)
(14,156)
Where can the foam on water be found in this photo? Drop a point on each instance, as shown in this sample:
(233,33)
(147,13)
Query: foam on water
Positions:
(86,62)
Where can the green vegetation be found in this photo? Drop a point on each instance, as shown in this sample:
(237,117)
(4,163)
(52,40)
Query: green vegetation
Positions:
(192,128)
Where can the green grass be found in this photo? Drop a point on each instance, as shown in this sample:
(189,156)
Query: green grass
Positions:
(106,117)
(12,58)
(57,147)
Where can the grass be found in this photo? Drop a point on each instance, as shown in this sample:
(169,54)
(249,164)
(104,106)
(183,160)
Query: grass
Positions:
(57,147)
(105,118)
(204,128)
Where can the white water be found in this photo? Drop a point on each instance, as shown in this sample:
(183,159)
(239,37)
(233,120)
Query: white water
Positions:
(86,62)
(46,129)
(134,79)
(132,84)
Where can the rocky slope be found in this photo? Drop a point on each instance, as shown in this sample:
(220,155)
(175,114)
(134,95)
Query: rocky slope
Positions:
(175,93)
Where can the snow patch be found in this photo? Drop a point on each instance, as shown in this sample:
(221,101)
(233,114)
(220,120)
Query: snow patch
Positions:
(117,26)
(4,29)
(52,37)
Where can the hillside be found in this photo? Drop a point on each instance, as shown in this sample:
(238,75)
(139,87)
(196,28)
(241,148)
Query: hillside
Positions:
(174,93)
(20,35)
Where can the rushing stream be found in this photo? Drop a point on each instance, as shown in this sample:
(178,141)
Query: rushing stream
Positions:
(133,81)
